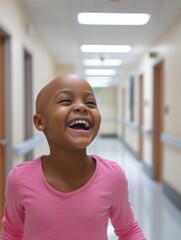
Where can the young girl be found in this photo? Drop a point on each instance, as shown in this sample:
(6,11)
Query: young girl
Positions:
(67,195)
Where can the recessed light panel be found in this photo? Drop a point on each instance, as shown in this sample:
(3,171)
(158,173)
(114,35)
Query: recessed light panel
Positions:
(113,18)
(100,72)
(105,48)
(99,81)
(98,85)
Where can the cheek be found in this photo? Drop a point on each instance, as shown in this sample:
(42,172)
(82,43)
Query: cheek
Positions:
(55,121)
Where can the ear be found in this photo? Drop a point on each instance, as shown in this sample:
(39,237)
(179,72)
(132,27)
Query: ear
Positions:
(39,122)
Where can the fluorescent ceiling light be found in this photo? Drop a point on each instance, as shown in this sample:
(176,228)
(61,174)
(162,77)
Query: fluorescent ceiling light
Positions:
(105,48)
(99,81)
(100,72)
(99,62)
(99,85)
(113,18)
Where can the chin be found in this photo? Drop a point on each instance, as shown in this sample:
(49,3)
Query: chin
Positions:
(81,144)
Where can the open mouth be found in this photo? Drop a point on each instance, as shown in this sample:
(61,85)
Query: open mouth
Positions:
(79,125)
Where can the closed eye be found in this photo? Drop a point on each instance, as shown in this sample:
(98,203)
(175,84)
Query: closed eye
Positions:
(91,104)
(65,101)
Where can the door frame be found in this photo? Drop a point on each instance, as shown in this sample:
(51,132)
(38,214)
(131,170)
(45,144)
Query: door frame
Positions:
(7,101)
(7,110)
(158,81)
(123,113)
(28,99)
(141,116)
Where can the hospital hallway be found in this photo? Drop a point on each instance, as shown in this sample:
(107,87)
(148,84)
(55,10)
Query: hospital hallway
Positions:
(155,213)
(129,52)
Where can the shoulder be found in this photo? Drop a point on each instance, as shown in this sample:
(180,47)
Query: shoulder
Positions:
(23,170)
(110,167)
(18,177)
(113,176)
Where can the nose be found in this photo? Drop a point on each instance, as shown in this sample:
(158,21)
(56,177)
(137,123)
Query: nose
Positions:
(80,107)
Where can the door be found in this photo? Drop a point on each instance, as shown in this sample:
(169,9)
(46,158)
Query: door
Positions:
(141,119)
(157,120)
(2,152)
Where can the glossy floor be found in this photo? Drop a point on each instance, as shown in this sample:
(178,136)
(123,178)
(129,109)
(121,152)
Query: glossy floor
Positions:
(157,216)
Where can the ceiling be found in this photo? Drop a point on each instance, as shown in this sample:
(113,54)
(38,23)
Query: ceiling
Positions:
(57,22)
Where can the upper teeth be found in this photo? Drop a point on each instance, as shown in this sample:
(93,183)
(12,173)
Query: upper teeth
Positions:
(79,122)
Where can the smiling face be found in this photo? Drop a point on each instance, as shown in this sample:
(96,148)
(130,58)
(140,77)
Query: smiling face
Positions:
(67,113)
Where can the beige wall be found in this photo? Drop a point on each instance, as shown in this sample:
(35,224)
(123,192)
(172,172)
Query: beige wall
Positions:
(107,102)
(168,48)
(63,69)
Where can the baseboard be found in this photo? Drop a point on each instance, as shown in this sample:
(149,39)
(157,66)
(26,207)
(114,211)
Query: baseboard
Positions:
(172,194)
(148,170)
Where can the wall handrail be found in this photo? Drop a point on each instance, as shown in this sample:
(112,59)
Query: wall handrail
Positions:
(171,140)
(28,145)
(147,130)
(130,124)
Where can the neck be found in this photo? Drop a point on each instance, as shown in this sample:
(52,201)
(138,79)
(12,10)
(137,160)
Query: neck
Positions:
(67,162)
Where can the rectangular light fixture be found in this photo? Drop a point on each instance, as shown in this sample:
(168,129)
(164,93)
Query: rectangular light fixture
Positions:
(99,81)
(100,72)
(102,62)
(98,85)
(93,18)
(105,48)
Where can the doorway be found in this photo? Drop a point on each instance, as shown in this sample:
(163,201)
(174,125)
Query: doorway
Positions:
(141,117)
(2,134)
(5,114)
(123,113)
(157,119)
(28,108)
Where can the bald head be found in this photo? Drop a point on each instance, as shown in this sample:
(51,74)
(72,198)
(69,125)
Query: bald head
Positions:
(60,82)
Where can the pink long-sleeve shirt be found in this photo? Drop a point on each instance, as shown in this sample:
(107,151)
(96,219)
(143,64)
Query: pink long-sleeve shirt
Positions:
(36,211)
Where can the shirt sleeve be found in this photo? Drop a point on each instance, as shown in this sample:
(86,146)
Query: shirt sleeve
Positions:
(13,219)
(121,214)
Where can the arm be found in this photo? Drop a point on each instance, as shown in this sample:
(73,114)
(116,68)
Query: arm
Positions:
(13,219)
(121,214)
